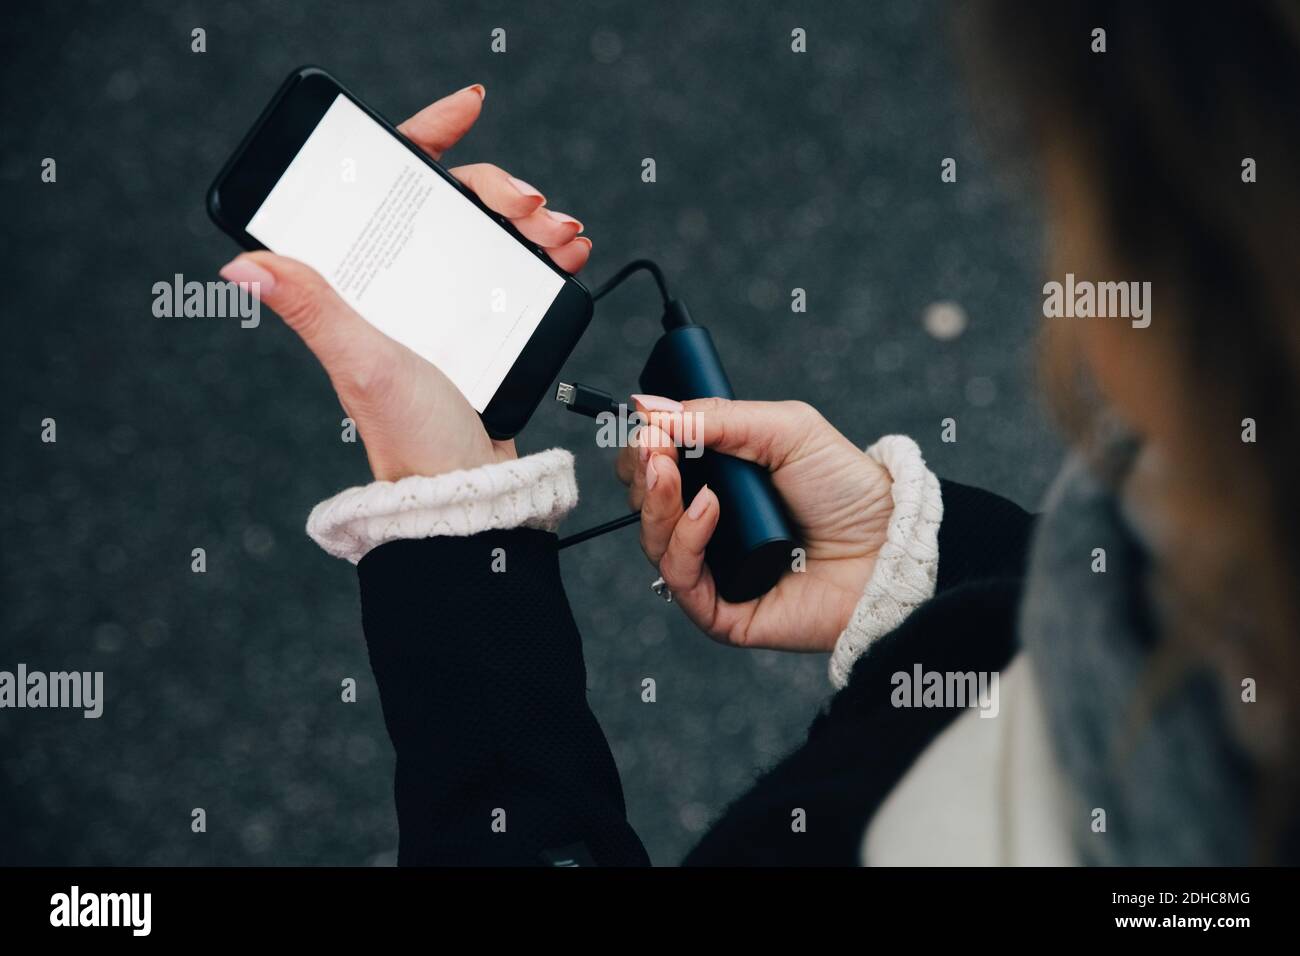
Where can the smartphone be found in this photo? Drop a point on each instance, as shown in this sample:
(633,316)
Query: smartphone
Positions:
(324,179)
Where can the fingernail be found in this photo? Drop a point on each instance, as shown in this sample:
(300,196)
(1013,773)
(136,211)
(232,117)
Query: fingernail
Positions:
(650,475)
(477,88)
(583,239)
(526,189)
(563,218)
(698,504)
(657,403)
(246,270)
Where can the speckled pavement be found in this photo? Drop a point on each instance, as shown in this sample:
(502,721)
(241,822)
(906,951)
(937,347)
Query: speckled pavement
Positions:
(775,171)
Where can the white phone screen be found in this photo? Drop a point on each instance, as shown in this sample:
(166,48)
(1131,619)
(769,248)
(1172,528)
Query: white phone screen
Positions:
(412,255)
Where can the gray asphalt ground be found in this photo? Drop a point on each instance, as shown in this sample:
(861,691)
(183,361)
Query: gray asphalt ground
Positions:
(775,170)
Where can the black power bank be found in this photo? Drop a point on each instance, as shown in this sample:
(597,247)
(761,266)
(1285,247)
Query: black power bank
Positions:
(754,544)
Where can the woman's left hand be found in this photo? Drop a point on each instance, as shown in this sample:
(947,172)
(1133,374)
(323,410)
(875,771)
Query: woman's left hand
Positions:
(410,416)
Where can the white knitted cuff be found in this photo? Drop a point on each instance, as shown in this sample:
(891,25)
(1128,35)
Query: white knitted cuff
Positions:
(908,563)
(531,492)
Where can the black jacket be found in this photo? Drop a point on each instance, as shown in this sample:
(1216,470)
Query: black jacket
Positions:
(484,694)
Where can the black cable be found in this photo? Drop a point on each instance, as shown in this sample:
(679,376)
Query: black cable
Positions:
(592,402)
(581,536)
(636,265)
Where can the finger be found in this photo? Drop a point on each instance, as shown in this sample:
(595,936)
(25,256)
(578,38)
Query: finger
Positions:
(572,256)
(767,433)
(349,347)
(649,441)
(660,413)
(500,192)
(633,456)
(682,565)
(548,228)
(661,508)
(439,126)
(627,462)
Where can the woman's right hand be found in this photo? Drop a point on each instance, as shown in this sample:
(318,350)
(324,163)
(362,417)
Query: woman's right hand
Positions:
(838,497)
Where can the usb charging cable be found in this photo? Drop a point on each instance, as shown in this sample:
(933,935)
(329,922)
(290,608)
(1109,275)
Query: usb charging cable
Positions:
(594,402)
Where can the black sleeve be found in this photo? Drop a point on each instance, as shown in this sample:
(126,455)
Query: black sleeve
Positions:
(861,745)
(982,536)
(499,759)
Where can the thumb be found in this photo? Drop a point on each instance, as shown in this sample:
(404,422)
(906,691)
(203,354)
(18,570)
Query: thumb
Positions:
(339,338)
(766,433)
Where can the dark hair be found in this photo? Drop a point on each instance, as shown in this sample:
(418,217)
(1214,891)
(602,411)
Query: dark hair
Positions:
(1156,133)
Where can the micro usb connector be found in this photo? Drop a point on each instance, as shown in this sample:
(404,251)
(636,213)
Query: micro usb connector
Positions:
(585,400)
